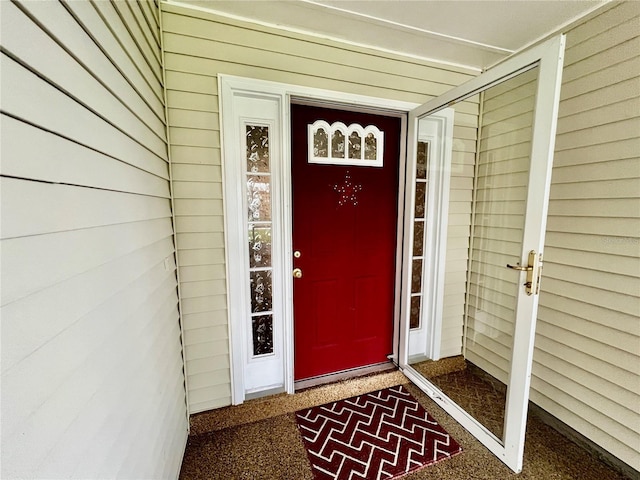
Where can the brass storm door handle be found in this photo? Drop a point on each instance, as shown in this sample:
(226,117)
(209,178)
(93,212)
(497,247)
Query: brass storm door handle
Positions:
(519,268)
(534,272)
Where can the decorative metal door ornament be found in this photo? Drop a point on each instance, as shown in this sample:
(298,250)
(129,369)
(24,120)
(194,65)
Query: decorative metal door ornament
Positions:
(347,191)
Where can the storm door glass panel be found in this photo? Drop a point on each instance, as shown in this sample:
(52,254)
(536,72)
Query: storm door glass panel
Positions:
(258,194)
(498,213)
(486,212)
(486,226)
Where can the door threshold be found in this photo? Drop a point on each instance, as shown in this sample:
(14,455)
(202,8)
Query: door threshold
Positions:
(343,375)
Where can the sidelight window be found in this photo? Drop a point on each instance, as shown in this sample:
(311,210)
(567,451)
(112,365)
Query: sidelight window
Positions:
(258,188)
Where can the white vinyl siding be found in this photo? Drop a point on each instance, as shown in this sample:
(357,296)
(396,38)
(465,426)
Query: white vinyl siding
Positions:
(587,359)
(198,47)
(92,381)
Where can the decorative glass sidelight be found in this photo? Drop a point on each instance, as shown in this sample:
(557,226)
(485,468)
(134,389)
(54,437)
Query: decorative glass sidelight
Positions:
(258,194)
(418,234)
(420,199)
(259,246)
(339,144)
(262,334)
(414,316)
(259,197)
(421,160)
(257,149)
(261,292)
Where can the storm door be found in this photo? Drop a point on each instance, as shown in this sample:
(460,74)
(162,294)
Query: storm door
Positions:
(474,244)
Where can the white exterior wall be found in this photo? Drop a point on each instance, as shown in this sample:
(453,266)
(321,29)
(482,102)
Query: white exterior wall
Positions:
(92,381)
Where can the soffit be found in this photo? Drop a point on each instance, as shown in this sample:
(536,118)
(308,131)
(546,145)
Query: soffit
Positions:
(468,33)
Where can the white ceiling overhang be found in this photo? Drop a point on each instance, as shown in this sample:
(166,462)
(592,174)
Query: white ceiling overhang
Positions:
(469,33)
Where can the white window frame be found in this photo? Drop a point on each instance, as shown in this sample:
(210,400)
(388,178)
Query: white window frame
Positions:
(264,372)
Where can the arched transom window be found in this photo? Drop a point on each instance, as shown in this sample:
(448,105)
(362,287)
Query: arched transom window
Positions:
(339,144)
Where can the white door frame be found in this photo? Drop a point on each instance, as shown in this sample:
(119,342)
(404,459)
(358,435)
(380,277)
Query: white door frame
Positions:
(549,57)
(234,93)
(424,341)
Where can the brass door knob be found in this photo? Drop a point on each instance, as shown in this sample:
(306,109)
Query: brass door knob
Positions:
(297,273)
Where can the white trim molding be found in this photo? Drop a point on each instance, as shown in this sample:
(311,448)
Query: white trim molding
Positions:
(254,208)
(437,131)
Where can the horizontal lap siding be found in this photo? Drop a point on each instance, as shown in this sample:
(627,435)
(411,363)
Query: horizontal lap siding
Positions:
(92,382)
(587,359)
(198,47)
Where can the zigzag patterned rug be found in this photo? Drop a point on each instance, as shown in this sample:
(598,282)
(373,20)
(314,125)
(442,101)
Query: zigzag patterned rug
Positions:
(380,435)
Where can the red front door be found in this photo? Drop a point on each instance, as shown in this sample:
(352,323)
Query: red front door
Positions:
(344,228)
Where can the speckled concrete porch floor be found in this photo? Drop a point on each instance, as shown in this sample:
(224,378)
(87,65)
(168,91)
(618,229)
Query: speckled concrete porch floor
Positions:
(259,440)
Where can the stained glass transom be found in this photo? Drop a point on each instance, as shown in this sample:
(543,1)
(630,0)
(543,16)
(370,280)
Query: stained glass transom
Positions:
(320,143)
(259,228)
(339,144)
(370,147)
(355,145)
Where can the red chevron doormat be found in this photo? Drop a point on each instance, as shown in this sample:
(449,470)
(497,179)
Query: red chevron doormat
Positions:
(380,435)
